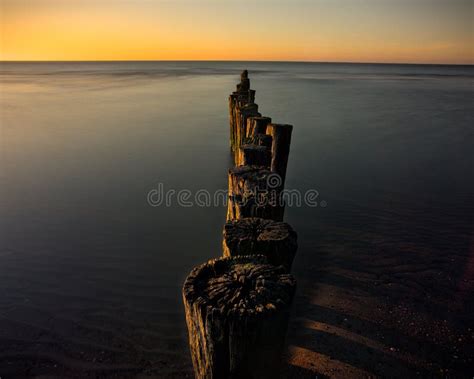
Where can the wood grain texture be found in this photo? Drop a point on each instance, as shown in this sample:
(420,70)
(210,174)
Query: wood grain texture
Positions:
(249,195)
(237,311)
(277,241)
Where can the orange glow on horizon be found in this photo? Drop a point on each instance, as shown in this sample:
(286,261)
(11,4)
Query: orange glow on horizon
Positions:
(165,30)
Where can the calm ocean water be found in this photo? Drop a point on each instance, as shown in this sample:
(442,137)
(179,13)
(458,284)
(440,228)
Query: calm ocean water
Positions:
(88,269)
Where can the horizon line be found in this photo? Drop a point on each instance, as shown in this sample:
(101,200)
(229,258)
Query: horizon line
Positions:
(229,60)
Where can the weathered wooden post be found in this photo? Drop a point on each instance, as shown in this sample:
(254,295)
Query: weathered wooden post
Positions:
(242,114)
(262,140)
(233,99)
(252,236)
(237,311)
(241,107)
(236,99)
(281,134)
(250,195)
(237,307)
(252,96)
(244,85)
(251,154)
(257,125)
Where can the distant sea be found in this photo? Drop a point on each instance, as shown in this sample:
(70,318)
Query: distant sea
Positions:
(90,273)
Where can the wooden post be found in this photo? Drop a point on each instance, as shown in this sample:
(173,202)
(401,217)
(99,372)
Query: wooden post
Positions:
(246,180)
(242,114)
(251,96)
(250,195)
(241,106)
(233,98)
(251,154)
(244,85)
(261,140)
(237,312)
(252,236)
(281,134)
(237,307)
(257,125)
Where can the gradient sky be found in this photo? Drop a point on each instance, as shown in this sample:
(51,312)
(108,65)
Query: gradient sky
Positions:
(421,31)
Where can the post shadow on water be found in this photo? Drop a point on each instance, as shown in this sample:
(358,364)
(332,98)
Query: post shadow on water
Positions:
(394,349)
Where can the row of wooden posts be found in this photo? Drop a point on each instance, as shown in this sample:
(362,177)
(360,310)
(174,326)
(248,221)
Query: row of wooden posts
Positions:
(237,307)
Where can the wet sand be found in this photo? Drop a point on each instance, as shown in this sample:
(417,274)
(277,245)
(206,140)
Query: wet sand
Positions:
(392,305)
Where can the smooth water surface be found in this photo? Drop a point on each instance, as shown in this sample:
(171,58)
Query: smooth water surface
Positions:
(91,274)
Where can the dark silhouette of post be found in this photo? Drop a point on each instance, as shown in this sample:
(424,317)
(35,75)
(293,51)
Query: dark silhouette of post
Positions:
(262,140)
(257,125)
(254,155)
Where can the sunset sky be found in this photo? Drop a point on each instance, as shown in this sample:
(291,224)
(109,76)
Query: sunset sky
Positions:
(421,31)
